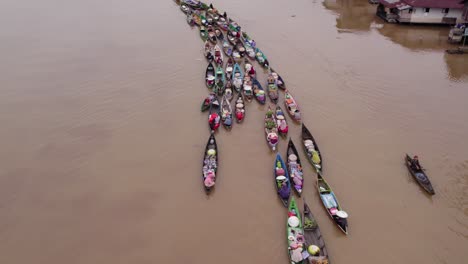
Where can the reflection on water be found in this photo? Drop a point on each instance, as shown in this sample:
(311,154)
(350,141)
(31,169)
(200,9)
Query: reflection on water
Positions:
(353,15)
(359,16)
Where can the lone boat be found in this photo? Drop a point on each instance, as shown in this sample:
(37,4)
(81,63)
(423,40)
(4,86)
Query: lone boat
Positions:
(331,204)
(295,168)
(271,129)
(240,108)
(295,234)
(281,121)
(311,149)
(420,176)
(226,113)
(210,164)
(210,76)
(283,186)
(258,91)
(314,241)
(292,106)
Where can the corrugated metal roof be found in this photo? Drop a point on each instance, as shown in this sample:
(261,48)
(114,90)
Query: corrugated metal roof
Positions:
(422,3)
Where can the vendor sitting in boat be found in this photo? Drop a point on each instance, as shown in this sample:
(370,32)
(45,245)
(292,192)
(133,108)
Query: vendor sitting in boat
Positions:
(415,164)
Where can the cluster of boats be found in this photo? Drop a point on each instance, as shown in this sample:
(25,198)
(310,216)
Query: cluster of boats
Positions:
(231,78)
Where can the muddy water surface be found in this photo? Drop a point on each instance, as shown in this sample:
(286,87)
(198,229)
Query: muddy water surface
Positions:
(102,139)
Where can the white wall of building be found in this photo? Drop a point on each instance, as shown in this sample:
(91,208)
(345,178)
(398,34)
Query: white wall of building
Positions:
(435,15)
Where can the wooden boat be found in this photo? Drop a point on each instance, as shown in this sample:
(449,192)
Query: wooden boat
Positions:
(258,91)
(294,168)
(279,80)
(190,19)
(247,88)
(261,58)
(313,237)
(282,184)
(311,149)
(204,21)
(220,80)
(272,89)
(228,90)
(248,40)
(227,48)
(226,113)
(249,68)
(237,77)
(214,118)
(249,50)
(295,234)
(229,68)
(281,121)
(210,76)
(219,34)
(193,3)
(232,37)
(196,18)
(420,176)
(185,8)
(207,102)
(233,26)
(203,33)
(222,24)
(240,108)
(291,106)
(218,56)
(210,164)
(209,51)
(271,129)
(331,204)
(236,56)
(212,35)
(240,48)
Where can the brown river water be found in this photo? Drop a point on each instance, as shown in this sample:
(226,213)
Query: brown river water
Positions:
(101,137)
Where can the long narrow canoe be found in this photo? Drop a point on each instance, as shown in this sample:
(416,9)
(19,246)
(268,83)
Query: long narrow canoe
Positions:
(279,81)
(237,77)
(271,129)
(283,186)
(294,168)
(210,76)
(313,237)
(331,204)
(420,176)
(258,91)
(295,233)
(210,164)
(226,113)
(291,106)
(240,108)
(311,149)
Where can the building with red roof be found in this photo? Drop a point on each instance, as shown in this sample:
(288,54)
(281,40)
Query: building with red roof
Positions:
(423,11)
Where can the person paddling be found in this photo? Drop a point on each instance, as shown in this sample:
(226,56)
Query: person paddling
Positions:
(415,164)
